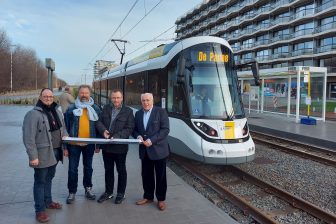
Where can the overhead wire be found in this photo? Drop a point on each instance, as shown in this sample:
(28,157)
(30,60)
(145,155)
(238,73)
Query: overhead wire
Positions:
(133,27)
(129,11)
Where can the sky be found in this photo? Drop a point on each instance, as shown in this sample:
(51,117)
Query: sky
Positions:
(76,33)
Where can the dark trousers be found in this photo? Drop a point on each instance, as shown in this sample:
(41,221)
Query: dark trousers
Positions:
(74,156)
(42,187)
(120,161)
(154,170)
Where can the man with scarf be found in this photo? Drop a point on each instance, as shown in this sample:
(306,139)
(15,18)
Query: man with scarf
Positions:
(80,119)
(43,129)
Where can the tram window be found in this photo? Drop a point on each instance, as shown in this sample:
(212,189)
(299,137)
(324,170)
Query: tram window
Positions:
(176,100)
(115,83)
(157,84)
(135,86)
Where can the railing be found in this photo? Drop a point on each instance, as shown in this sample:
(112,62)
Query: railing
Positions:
(303,13)
(302,52)
(325,27)
(303,32)
(282,37)
(326,48)
(325,6)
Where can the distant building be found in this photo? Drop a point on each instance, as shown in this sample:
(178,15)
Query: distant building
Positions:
(101,66)
(278,33)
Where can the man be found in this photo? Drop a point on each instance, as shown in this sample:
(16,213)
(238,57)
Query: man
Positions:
(66,99)
(80,119)
(116,121)
(43,129)
(152,128)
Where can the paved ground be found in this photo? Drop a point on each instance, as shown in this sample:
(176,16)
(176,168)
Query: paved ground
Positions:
(184,204)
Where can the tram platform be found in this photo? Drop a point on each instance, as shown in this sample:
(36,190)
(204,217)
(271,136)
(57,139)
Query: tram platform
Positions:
(184,204)
(322,134)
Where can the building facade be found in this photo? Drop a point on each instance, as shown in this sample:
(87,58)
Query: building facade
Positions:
(101,66)
(278,33)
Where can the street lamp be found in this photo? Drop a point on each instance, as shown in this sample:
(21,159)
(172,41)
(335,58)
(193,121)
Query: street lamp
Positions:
(11,78)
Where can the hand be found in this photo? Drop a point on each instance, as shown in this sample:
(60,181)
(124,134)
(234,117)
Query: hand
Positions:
(147,143)
(64,137)
(65,153)
(140,138)
(97,150)
(106,134)
(34,162)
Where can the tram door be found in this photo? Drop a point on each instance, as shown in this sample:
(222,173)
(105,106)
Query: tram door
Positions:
(157,84)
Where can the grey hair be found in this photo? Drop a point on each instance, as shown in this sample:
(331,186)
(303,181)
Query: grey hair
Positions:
(150,94)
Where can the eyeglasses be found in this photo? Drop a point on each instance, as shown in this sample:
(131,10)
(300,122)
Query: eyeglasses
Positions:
(48,97)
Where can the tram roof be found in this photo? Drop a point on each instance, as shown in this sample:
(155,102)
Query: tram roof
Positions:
(160,56)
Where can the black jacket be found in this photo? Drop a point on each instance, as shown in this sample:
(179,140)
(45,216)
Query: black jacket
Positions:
(157,131)
(122,127)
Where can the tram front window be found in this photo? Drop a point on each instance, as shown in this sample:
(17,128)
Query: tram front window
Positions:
(212,83)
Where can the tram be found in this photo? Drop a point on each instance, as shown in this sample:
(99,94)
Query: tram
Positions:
(195,80)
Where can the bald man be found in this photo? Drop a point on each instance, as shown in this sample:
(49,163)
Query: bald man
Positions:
(152,128)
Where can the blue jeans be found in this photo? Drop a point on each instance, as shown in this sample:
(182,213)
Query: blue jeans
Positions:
(74,156)
(42,187)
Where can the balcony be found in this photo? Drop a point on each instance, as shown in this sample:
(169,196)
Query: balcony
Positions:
(303,32)
(325,27)
(326,48)
(304,13)
(325,6)
(282,37)
(281,55)
(300,52)
(263,58)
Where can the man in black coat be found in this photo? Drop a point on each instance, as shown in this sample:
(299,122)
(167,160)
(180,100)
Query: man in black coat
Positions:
(116,121)
(152,128)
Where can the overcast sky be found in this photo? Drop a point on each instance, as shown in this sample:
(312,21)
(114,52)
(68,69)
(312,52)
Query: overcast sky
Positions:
(73,32)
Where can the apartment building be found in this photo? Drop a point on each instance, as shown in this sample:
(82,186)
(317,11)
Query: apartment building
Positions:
(278,33)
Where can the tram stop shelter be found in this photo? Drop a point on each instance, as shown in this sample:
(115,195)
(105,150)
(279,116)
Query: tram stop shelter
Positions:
(297,91)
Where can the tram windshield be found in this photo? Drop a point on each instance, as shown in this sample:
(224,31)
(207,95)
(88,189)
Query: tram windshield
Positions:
(212,82)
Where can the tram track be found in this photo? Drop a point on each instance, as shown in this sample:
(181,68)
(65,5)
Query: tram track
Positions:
(307,151)
(288,204)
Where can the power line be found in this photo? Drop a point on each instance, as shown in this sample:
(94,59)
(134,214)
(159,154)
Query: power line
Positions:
(155,38)
(129,11)
(130,30)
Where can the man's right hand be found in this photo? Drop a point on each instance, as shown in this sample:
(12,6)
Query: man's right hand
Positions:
(66,153)
(34,162)
(106,134)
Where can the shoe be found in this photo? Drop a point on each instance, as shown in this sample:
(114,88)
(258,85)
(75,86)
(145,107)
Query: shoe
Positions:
(119,198)
(143,201)
(42,217)
(161,205)
(88,193)
(70,198)
(54,205)
(104,197)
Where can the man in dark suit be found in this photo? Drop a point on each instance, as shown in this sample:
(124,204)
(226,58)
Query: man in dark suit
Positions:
(116,121)
(152,128)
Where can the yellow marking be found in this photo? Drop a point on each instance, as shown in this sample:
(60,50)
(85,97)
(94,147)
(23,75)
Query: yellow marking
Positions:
(229,130)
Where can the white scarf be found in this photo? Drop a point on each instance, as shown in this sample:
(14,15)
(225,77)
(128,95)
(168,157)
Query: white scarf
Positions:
(93,116)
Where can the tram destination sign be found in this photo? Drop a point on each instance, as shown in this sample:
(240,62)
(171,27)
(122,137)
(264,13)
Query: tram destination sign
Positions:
(203,56)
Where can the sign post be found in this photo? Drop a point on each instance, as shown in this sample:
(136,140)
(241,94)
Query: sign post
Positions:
(50,65)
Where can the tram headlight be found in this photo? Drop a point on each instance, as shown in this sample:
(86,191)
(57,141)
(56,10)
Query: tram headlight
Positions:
(206,129)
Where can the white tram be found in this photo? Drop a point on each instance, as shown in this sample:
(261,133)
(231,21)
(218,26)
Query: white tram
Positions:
(195,80)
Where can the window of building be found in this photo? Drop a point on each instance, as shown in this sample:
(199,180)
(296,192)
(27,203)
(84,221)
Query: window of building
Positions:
(247,56)
(262,55)
(328,23)
(304,45)
(263,39)
(304,29)
(327,44)
(304,10)
(329,63)
(248,43)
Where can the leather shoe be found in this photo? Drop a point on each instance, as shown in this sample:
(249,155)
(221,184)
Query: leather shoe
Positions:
(143,201)
(161,205)
(42,217)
